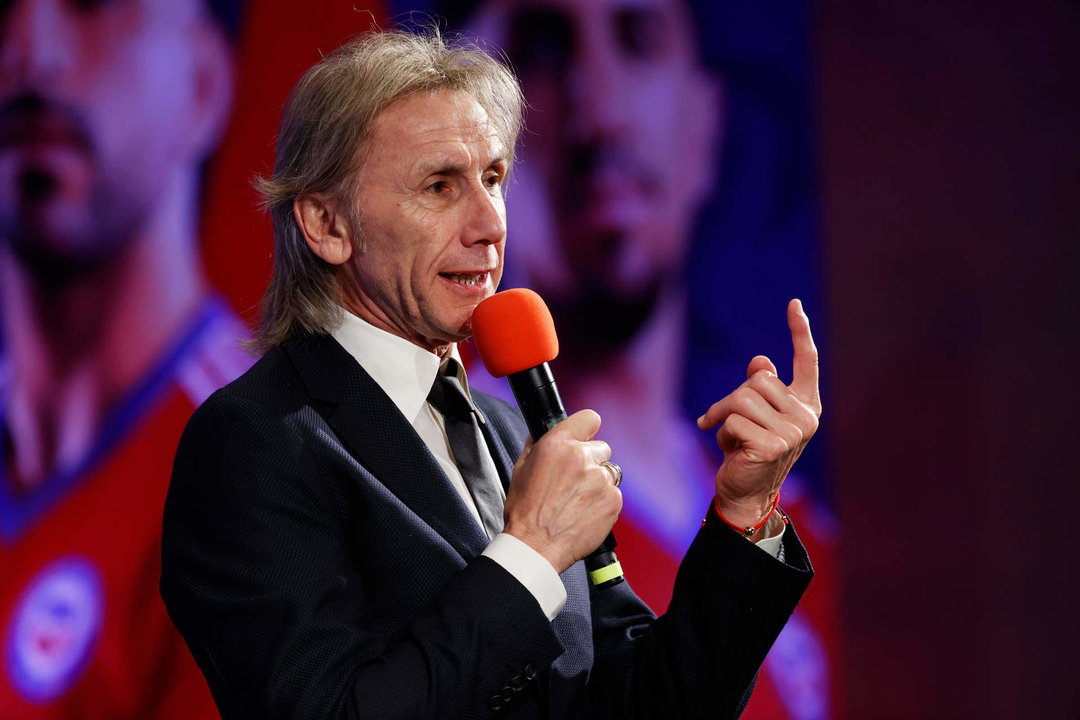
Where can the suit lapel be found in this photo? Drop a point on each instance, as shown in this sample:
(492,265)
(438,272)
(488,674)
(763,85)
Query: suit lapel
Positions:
(383,441)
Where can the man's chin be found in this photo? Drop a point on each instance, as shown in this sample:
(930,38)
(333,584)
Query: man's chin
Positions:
(462,327)
(446,334)
(458,328)
(463,331)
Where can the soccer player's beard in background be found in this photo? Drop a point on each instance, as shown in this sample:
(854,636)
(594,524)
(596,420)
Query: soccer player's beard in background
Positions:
(595,321)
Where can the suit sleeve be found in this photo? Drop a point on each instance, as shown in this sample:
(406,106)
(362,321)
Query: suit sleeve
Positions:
(259,576)
(699,659)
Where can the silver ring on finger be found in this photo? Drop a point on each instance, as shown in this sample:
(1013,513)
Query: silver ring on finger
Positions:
(616,472)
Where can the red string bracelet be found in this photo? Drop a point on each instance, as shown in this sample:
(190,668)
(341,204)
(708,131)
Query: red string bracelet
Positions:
(748,530)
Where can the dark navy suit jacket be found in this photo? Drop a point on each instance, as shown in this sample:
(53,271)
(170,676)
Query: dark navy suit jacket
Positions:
(320,565)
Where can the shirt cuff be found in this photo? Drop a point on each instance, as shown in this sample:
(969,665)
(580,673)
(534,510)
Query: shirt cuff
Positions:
(772,545)
(531,570)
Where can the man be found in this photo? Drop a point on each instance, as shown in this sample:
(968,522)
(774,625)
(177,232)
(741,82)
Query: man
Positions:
(328,549)
(108,112)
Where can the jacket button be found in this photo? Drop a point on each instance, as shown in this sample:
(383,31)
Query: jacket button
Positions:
(495,704)
(530,672)
(517,682)
(507,693)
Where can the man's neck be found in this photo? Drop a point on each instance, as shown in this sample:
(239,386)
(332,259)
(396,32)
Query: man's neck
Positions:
(77,348)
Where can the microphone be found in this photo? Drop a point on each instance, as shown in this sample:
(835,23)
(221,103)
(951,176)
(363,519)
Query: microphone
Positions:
(515,337)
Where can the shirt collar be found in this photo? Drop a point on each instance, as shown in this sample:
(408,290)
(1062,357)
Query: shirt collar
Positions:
(404,371)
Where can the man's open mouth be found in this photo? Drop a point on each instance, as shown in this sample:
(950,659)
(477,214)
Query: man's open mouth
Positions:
(466,278)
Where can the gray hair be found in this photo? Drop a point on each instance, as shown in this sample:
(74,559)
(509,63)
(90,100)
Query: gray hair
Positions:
(323,141)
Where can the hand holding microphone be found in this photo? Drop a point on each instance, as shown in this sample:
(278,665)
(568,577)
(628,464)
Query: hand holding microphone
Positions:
(564,497)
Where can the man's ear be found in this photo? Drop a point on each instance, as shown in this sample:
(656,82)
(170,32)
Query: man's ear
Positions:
(324,226)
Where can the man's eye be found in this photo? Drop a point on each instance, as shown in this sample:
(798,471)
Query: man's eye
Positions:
(437,187)
(494,180)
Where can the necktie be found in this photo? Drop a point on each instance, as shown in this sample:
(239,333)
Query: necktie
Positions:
(468,446)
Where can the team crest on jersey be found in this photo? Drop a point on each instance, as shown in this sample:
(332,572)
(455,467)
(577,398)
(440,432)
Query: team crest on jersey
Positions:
(54,628)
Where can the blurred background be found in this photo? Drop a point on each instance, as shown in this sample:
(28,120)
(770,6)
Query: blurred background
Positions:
(911,171)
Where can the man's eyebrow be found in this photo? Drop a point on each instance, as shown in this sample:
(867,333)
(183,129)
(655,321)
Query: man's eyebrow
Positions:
(446,166)
(440,166)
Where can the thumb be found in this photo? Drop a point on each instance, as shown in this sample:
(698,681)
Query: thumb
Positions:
(760,362)
(582,425)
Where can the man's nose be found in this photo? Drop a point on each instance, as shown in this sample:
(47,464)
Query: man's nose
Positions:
(36,43)
(486,219)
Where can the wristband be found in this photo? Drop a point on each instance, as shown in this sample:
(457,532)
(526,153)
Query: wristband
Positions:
(748,530)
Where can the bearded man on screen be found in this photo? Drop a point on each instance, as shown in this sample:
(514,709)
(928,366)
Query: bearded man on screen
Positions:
(110,338)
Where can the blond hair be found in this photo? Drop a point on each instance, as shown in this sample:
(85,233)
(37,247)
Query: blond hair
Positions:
(323,141)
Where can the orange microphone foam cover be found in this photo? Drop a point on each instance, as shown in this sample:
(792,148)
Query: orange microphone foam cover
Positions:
(513,331)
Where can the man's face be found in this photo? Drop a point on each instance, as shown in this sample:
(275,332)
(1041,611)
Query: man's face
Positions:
(430,195)
(619,144)
(100,106)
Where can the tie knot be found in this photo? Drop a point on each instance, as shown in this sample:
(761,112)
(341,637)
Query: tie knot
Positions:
(447,395)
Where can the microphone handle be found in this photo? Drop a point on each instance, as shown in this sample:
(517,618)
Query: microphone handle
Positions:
(540,404)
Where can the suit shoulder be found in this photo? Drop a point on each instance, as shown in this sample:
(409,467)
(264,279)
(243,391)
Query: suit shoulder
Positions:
(271,374)
(269,391)
(242,439)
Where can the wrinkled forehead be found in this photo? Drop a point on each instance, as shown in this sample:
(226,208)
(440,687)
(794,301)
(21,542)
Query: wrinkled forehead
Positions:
(436,123)
(438,111)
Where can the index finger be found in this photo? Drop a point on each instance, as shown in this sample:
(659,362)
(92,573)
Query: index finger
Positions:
(804,382)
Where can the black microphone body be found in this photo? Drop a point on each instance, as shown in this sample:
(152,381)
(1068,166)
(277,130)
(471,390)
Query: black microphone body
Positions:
(540,404)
